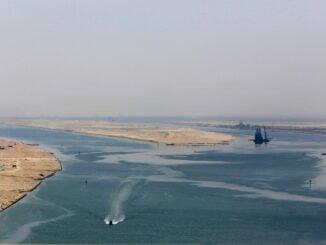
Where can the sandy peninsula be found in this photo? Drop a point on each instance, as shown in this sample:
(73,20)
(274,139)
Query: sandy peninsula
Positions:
(169,135)
(22,168)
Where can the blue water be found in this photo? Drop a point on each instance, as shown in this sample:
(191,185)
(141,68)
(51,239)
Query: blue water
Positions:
(232,194)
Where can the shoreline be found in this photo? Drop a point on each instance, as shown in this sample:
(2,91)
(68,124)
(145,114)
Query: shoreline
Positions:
(13,203)
(23,168)
(139,132)
(305,128)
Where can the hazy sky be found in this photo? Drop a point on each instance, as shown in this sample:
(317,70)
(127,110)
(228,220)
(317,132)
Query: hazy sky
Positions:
(163,57)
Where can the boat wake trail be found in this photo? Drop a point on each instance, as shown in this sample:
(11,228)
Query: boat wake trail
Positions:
(123,192)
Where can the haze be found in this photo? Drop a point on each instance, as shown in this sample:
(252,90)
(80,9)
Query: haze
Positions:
(164,58)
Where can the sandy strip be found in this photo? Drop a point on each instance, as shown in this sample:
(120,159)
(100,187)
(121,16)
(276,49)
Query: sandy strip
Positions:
(22,168)
(143,132)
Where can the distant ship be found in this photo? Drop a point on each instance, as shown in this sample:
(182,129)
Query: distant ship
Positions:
(259,138)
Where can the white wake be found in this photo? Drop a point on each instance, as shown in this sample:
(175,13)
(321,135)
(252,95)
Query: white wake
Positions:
(116,213)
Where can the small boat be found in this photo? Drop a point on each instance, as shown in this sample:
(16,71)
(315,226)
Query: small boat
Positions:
(323,154)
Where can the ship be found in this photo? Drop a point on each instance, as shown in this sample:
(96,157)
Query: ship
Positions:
(260,138)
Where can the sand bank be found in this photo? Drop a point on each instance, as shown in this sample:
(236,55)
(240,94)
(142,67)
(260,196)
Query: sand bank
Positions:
(22,168)
(143,132)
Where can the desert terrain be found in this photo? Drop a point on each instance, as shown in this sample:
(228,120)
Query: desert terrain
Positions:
(22,168)
(168,135)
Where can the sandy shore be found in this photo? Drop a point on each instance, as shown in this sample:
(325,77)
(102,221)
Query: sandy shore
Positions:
(143,132)
(22,168)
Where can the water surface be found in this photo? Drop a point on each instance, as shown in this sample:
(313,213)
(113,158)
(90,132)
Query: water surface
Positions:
(234,194)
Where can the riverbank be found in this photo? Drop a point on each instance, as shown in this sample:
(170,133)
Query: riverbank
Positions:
(168,135)
(22,169)
(295,127)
